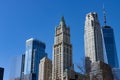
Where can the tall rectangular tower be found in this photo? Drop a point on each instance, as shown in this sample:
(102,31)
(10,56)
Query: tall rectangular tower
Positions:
(22,66)
(110,46)
(35,51)
(16,66)
(93,40)
(62,51)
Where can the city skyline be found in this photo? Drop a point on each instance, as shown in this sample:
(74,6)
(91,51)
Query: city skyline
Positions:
(21,23)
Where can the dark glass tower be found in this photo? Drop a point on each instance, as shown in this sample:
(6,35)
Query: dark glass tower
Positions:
(35,51)
(22,66)
(110,47)
(1,73)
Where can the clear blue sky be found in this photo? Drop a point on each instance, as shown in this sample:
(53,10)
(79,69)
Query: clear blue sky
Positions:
(23,19)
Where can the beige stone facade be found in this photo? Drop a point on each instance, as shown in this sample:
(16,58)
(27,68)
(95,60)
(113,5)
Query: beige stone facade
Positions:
(45,68)
(62,51)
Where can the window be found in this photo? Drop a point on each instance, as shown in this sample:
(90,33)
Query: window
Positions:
(92,23)
(57,50)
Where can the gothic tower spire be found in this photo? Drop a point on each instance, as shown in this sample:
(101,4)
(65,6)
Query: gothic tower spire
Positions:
(62,51)
(62,22)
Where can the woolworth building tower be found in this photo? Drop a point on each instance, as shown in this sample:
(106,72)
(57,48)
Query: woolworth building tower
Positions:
(62,51)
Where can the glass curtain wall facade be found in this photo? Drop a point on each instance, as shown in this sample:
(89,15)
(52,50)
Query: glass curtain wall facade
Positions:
(22,66)
(35,51)
(1,73)
(15,71)
(110,46)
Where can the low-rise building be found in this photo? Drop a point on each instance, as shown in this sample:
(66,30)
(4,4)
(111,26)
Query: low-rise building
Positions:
(101,71)
(116,73)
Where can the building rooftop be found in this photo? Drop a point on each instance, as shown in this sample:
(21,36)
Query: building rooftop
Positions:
(106,27)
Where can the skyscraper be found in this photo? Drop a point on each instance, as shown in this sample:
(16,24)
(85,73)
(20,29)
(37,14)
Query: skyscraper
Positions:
(62,51)
(16,65)
(93,40)
(45,68)
(1,73)
(35,51)
(110,48)
(22,66)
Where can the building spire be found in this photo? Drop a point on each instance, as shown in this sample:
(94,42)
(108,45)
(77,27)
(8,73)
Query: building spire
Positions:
(62,21)
(104,13)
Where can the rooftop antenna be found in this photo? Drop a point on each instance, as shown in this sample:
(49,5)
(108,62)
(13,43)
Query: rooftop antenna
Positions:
(104,13)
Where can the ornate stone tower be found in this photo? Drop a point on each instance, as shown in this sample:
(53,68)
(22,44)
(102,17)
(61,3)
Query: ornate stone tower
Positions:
(62,51)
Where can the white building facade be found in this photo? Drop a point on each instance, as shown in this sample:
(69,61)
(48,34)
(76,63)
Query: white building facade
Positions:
(93,40)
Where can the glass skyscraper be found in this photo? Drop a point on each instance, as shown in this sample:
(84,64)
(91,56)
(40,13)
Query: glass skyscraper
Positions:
(15,67)
(110,47)
(35,51)
(1,73)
